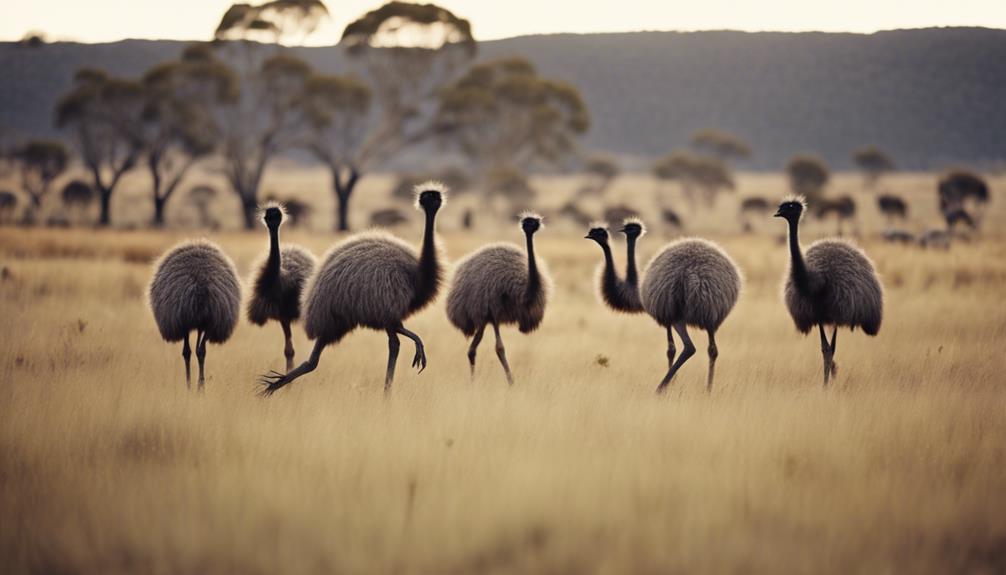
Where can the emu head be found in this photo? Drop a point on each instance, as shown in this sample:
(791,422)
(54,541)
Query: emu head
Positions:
(530,222)
(430,196)
(792,208)
(598,233)
(272,214)
(633,228)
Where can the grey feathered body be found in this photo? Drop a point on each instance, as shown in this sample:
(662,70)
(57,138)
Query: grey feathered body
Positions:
(368,280)
(491,285)
(843,289)
(195,287)
(279,298)
(690,280)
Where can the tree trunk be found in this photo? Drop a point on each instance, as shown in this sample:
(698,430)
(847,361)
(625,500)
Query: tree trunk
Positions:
(106,208)
(249,208)
(159,204)
(343,191)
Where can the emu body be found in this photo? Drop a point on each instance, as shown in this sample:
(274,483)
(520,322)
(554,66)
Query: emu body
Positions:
(833,284)
(496,285)
(372,280)
(690,282)
(195,287)
(279,282)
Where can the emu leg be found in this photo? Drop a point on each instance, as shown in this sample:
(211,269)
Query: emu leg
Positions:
(273,380)
(826,354)
(501,354)
(714,352)
(476,340)
(288,350)
(420,358)
(834,366)
(187,356)
(671,351)
(201,356)
(687,352)
(393,346)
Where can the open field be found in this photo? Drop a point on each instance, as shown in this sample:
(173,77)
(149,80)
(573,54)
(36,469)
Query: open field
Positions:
(108,465)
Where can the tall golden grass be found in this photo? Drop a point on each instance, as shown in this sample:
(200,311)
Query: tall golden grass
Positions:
(108,465)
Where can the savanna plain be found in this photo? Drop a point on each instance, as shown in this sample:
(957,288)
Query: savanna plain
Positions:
(109,465)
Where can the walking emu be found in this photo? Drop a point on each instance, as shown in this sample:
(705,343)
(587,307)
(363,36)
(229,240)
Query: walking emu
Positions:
(279,281)
(834,283)
(371,280)
(499,284)
(195,288)
(691,282)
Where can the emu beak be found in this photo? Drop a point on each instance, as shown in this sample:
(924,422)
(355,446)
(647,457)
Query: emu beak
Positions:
(587,237)
(778,215)
(621,230)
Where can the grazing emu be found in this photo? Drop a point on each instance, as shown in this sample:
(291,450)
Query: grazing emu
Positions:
(8,203)
(691,282)
(279,281)
(843,207)
(387,218)
(892,207)
(499,284)
(834,283)
(671,219)
(756,206)
(959,217)
(195,288)
(371,280)
(934,238)
(896,236)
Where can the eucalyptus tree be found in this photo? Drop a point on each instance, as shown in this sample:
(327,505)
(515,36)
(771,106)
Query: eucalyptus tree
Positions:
(103,116)
(40,162)
(502,116)
(719,144)
(402,54)
(699,176)
(873,163)
(808,175)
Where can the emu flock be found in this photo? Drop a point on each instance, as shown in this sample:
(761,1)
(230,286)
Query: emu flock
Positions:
(375,280)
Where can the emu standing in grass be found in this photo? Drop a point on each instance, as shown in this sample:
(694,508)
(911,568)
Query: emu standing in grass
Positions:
(834,283)
(279,281)
(499,284)
(691,282)
(8,203)
(892,207)
(371,280)
(195,288)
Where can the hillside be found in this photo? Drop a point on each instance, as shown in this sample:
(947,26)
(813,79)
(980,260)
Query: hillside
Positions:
(931,97)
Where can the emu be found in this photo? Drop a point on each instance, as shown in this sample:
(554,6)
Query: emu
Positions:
(195,288)
(896,236)
(387,218)
(892,207)
(499,285)
(754,205)
(279,281)
(372,280)
(690,282)
(834,283)
(843,207)
(8,203)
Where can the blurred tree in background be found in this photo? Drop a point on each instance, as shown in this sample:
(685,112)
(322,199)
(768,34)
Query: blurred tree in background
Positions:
(873,162)
(700,177)
(808,176)
(103,115)
(405,53)
(719,144)
(263,115)
(177,128)
(601,170)
(40,162)
(503,117)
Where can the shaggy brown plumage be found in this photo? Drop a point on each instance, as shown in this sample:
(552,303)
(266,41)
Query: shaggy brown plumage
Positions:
(371,280)
(279,281)
(690,282)
(195,288)
(499,284)
(833,283)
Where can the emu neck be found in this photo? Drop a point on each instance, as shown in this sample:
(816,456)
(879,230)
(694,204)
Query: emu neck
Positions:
(533,276)
(273,263)
(428,277)
(631,275)
(617,294)
(798,268)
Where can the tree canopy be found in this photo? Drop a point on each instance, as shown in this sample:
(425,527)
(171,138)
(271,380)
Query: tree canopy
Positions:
(873,162)
(695,173)
(720,144)
(807,175)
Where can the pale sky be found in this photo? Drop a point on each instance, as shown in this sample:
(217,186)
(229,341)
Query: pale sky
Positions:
(109,20)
